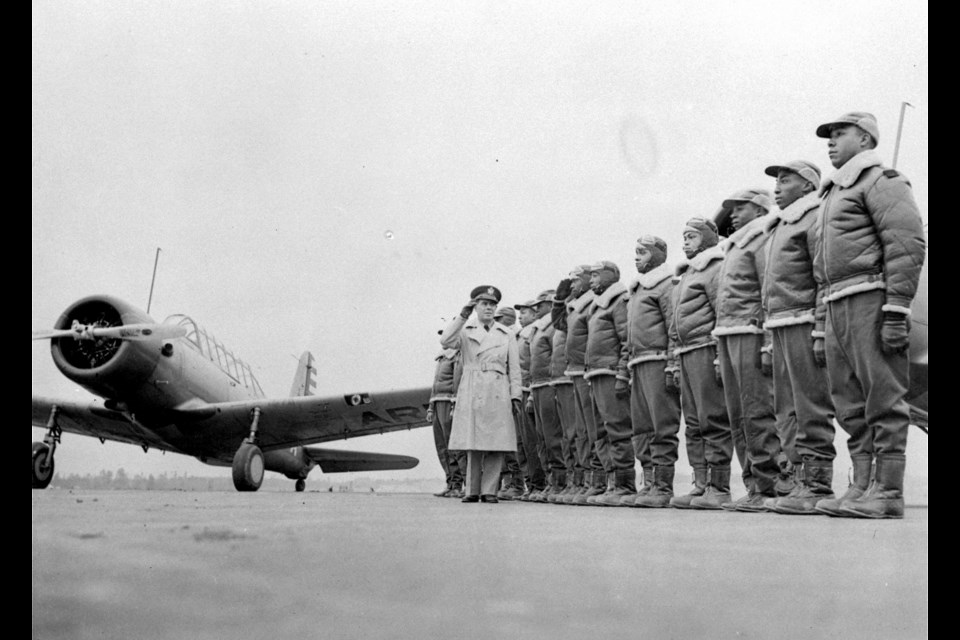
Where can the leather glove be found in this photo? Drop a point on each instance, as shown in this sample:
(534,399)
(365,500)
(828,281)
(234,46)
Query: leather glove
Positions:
(530,404)
(716,373)
(430,415)
(819,352)
(515,403)
(564,289)
(766,363)
(467,309)
(621,389)
(894,333)
(673,381)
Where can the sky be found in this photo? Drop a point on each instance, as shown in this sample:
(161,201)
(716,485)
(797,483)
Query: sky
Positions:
(338,176)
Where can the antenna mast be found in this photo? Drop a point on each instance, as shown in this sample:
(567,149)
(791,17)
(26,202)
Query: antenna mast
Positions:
(896,148)
(157,259)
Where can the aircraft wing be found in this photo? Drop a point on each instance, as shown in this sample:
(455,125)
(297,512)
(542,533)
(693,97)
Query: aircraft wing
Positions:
(214,431)
(336,461)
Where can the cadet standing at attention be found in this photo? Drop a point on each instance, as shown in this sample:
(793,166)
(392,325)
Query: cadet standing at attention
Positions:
(870,250)
(801,392)
(543,395)
(536,480)
(606,372)
(443,395)
(743,349)
(512,477)
(706,424)
(654,396)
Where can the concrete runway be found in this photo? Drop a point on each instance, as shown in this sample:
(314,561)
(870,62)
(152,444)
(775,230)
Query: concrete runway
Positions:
(278,565)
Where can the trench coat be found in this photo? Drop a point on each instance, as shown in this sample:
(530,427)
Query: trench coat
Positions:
(483,420)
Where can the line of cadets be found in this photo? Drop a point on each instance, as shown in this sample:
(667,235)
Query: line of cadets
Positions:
(757,337)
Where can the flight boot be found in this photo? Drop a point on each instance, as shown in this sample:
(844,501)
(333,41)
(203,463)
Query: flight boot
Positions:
(788,478)
(456,491)
(699,487)
(816,484)
(557,498)
(586,481)
(514,490)
(445,493)
(731,505)
(611,482)
(647,477)
(862,476)
(596,488)
(718,490)
(884,498)
(558,484)
(573,486)
(661,489)
(624,486)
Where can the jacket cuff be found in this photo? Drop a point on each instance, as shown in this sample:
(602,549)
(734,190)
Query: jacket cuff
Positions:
(818,334)
(895,308)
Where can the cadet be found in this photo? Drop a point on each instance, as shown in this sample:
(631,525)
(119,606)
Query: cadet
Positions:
(707,427)
(606,372)
(870,250)
(743,348)
(801,393)
(444,393)
(654,398)
(576,312)
(536,479)
(512,480)
(566,399)
(543,396)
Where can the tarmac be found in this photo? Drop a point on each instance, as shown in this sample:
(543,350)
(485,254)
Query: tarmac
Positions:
(280,564)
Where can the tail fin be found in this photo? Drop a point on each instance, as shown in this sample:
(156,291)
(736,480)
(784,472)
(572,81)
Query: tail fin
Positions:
(303,382)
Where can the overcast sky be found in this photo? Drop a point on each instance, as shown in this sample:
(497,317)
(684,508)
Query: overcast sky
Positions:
(337,176)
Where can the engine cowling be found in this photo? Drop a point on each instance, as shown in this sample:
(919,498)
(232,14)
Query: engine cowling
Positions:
(106,367)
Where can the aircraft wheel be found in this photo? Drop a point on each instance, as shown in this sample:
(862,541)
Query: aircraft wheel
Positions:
(248,468)
(42,465)
(301,484)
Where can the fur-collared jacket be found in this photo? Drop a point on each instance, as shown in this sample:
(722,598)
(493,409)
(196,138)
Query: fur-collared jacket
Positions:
(789,289)
(648,317)
(695,301)
(541,351)
(558,359)
(577,316)
(607,334)
(739,308)
(870,234)
(446,377)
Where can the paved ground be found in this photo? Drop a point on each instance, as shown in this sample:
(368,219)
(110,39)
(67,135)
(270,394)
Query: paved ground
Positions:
(151,564)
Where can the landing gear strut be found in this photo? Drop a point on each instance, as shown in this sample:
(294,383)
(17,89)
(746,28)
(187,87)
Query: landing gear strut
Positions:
(43,452)
(248,467)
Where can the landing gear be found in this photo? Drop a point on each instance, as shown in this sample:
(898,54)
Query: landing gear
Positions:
(43,452)
(248,464)
(42,465)
(248,468)
(301,484)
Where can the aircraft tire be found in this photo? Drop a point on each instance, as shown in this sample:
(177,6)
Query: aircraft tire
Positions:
(248,468)
(42,465)
(301,484)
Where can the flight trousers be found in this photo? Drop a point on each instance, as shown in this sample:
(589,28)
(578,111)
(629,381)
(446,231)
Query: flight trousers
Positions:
(586,425)
(567,412)
(655,413)
(454,463)
(614,415)
(707,432)
(536,475)
(548,426)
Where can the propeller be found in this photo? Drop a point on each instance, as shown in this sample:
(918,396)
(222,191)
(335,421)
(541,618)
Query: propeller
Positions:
(144,331)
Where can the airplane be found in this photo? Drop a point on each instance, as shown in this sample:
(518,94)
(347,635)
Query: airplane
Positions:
(172,386)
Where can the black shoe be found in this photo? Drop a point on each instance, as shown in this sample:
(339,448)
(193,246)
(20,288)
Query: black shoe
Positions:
(470,499)
(487,498)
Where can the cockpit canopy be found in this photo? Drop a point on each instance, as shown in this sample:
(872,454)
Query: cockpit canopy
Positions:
(214,351)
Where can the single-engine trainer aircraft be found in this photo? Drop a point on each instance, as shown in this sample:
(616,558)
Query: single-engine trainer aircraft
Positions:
(172,386)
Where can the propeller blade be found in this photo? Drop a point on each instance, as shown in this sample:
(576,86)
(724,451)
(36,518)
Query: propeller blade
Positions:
(124,332)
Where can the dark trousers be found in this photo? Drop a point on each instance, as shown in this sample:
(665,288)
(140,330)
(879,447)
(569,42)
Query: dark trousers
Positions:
(567,411)
(586,426)
(655,413)
(749,397)
(801,396)
(868,386)
(454,463)
(615,416)
(707,426)
(548,426)
(536,478)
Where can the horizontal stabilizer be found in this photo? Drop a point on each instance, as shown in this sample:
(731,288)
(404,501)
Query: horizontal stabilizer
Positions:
(337,461)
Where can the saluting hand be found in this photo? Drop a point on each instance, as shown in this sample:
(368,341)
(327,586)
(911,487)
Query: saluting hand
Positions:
(564,289)
(468,309)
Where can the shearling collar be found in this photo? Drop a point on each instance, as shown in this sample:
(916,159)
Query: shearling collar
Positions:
(846,175)
(742,237)
(582,302)
(542,323)
(603,301)
(652,278)
(794,211)
(700,261)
